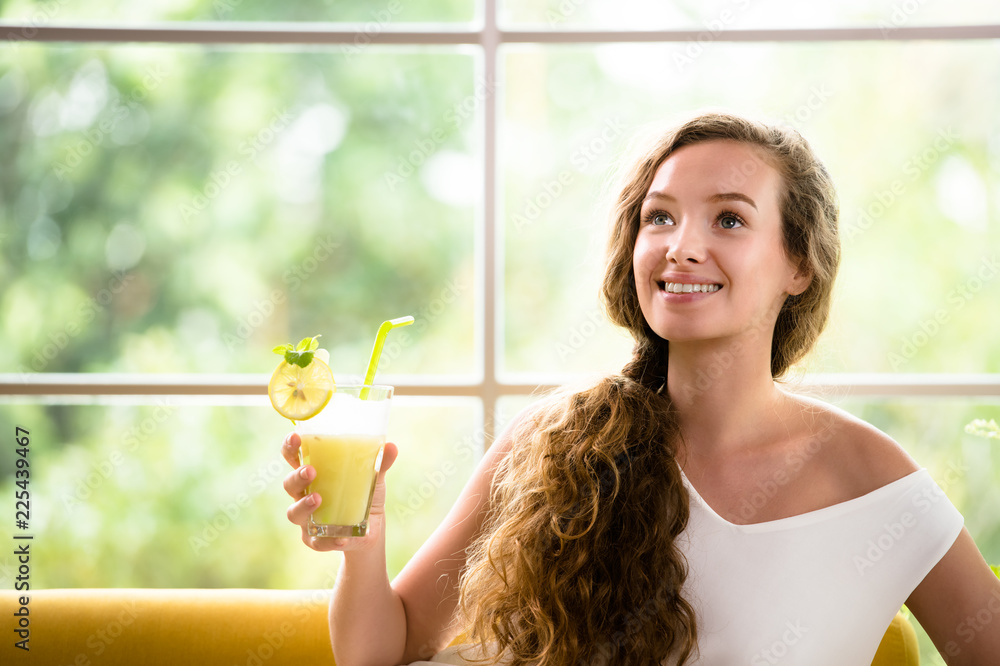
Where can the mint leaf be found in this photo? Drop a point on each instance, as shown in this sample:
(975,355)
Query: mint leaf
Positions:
(300,355)
(308,344)
(299,358)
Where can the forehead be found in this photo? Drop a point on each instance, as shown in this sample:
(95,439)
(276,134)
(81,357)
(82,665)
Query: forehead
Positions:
(712,167)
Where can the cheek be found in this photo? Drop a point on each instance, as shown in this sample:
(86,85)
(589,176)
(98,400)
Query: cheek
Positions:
(644,266)
(643,260)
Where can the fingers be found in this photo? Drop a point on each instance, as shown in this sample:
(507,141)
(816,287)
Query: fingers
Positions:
(290,449)
(296,482)
(299,512)
(389,454)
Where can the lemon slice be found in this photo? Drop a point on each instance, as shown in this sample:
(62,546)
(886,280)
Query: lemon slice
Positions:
(301,393)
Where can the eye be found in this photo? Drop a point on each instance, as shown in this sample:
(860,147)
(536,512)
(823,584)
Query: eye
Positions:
(728,220)
(658,218)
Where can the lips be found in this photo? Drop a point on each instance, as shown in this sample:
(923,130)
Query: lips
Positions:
(675,282)
(689,287)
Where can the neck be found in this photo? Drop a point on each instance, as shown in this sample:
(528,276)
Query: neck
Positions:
(723,392)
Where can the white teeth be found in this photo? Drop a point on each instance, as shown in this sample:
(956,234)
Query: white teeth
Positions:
(687,288)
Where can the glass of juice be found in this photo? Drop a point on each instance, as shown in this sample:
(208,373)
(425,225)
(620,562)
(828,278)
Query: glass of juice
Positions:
(344,444)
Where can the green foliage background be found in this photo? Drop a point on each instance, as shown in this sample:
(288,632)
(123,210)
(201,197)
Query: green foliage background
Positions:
(182,209)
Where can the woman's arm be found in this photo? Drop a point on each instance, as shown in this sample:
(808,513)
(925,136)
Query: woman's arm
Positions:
(367,621)
(958,605)
(373,621)
(428,584)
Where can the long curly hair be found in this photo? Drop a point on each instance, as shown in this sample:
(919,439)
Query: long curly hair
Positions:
(578,561)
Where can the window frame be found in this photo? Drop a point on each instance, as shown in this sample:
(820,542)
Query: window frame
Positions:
(489,384)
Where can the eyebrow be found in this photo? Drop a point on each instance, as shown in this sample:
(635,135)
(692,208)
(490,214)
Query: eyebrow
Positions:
(722,196)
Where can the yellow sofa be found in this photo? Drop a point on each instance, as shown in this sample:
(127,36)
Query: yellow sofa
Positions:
(229,627)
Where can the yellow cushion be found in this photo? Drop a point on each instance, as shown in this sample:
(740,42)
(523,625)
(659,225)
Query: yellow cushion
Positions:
(899,644)
(142,627)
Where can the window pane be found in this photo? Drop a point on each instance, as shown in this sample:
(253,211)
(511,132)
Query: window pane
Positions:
(377,16)
(717,15)
(907,130)
(171,494)
(185,210)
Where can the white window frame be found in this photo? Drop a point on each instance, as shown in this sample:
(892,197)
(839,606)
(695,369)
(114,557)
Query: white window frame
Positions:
(488,385)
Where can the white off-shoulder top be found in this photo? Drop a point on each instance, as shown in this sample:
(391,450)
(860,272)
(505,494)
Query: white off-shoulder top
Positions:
(817,588)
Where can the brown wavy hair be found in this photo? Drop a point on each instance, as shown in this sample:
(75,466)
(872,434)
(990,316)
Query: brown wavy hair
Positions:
(578,561)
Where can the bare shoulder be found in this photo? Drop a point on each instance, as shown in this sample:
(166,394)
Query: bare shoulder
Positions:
(855,454)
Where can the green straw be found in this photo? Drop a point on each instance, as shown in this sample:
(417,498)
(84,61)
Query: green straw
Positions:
(383,331)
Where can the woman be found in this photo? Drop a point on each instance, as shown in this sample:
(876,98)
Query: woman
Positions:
(689,510)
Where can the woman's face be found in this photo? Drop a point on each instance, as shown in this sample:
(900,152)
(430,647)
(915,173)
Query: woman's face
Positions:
(709,257)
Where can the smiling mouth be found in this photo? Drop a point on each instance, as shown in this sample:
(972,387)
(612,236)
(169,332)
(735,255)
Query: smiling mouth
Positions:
(688,288)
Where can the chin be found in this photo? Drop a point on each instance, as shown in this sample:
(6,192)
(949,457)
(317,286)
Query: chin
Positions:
(681,334)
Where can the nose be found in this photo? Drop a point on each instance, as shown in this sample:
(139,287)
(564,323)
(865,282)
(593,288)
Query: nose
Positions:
(686,245)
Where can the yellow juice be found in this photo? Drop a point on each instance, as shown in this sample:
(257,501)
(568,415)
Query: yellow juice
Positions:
(345,475)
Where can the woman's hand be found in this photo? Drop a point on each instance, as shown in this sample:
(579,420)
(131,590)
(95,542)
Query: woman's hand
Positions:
(299,512)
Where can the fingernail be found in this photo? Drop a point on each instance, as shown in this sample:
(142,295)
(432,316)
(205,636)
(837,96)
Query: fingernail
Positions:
(312,500)
(304,473)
